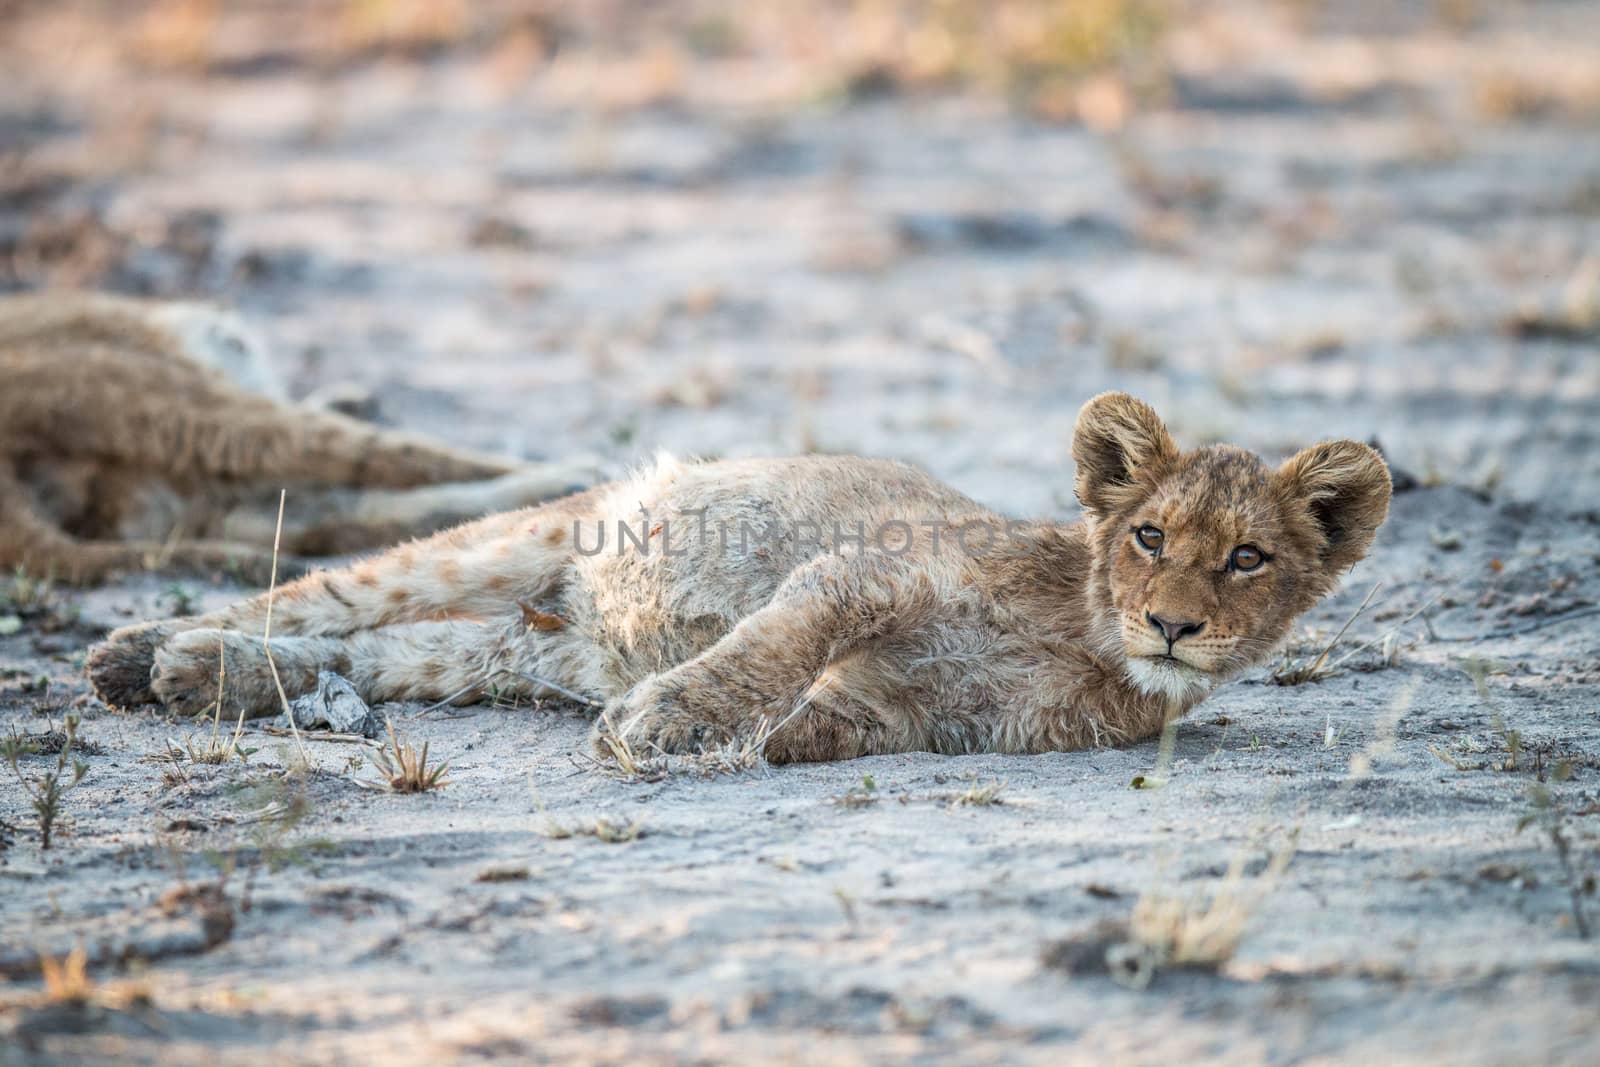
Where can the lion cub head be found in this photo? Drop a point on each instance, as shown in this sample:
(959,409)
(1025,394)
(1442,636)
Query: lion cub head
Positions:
(1203,559)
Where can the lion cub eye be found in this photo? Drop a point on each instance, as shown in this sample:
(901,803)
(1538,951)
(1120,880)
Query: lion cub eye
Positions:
(1246,558)
(1150,537)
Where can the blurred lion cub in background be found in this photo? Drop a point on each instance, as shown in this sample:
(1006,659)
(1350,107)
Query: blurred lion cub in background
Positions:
(929,623)
(141,434)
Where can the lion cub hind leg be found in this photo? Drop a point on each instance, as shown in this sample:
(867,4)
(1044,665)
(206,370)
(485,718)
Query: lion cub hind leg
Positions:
(426,661)
(480,570)
(188,666)
(488,569)
(334,603)
(119,668)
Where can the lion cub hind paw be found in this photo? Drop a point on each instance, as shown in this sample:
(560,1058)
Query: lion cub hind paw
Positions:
(189,667)
(119,667)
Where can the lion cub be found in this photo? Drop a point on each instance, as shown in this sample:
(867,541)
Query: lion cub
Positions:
(136,434)
(857,605)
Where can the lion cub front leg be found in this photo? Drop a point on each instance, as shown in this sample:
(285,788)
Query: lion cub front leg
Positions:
(770,666)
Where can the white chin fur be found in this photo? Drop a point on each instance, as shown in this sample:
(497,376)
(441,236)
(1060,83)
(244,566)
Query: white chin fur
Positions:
(1175,681)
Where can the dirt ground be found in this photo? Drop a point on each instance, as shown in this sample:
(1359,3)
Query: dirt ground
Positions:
(1377,221)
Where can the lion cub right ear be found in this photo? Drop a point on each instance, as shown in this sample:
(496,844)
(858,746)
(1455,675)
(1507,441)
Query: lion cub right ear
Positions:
(1119,444)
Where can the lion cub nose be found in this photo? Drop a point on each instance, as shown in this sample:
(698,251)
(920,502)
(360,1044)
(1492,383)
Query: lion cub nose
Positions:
(1174,631)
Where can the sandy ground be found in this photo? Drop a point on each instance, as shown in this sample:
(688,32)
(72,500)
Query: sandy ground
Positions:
(1378,230)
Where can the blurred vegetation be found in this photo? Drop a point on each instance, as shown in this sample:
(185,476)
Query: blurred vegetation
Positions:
(1059,59)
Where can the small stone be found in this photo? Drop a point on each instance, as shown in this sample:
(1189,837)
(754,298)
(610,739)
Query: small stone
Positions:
(334,705)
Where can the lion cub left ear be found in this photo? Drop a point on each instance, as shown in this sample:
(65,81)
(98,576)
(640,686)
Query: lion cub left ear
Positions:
(1121,448)
(1345,488)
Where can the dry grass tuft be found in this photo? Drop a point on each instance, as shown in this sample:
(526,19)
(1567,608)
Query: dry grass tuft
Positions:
(217,749)
(266,638)
(403,769)
(623,757)
(1085,60)
(975,795)
(213,752)
(602,828)
(980,796)
(67,985)
(1167,930)
(1201,931)
(741,754)
(1301,673)
(67,981)
(1575,318)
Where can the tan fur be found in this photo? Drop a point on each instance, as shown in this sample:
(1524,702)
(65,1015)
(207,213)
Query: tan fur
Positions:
(135,434)
(983,635)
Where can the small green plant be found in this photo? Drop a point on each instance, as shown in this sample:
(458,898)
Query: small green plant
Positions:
(1509,740)
(178,596)
(26,594)
(283,807)
(46,793)
(860,796)
(272,807)
(29,599)
(1550,817)
(1479,670)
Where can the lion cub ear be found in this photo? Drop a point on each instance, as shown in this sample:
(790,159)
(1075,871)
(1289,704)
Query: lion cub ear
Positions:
(1118,441)
(1344,486)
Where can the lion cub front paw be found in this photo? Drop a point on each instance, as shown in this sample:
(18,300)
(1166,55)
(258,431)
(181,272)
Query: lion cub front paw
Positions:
(656,717)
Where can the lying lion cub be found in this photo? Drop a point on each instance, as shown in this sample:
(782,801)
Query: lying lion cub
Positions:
(137,433)
(857,604)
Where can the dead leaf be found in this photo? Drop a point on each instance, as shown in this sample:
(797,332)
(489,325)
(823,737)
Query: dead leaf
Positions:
(545,621)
